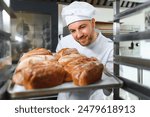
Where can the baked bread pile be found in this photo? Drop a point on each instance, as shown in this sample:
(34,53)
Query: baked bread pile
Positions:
(39,68)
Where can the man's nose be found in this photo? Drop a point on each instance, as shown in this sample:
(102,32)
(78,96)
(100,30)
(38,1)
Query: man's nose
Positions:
(79,34)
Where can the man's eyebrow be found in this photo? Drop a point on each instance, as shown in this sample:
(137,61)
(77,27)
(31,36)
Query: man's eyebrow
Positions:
(71,30)
(82,25)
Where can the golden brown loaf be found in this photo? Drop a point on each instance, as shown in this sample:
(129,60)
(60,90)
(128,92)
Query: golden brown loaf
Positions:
(43,75)
(65,56)
(36,51)
(66,51)
(34,60)
(84,71)
(31,60)
(64,60)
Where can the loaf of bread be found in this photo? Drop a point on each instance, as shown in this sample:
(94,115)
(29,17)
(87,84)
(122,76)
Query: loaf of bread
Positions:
(64,60)
(38,68)
(80,69)
(84,71)
(25,63)
(36,51)
(66,51)
(65,56)
(43,75)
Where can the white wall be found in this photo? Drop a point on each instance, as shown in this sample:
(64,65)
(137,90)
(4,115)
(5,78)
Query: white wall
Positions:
(103,14)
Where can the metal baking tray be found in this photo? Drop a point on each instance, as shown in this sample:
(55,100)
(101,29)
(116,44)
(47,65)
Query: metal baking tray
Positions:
(19,92)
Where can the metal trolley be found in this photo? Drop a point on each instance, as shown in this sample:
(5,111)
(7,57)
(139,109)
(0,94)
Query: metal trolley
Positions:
(136,88)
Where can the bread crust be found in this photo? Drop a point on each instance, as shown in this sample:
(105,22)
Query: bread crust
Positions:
(66,51)
(36,51)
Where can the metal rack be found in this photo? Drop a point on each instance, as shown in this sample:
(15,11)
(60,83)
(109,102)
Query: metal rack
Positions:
(136,88)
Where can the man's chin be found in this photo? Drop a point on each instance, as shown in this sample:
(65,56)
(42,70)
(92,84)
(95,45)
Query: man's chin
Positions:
(83,44)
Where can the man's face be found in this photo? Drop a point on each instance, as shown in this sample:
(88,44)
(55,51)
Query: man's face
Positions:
(83,31)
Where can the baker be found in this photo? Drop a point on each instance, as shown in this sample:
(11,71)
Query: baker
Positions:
(79,18)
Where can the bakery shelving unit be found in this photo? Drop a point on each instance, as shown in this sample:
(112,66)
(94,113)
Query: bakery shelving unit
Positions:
(5,70)
(136,88)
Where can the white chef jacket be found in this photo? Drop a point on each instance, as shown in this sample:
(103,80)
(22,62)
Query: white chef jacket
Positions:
(102,49)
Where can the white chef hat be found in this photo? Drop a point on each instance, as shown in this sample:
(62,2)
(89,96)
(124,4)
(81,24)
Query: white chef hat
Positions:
(77,11)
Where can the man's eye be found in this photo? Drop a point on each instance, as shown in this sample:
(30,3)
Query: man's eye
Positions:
(72,31)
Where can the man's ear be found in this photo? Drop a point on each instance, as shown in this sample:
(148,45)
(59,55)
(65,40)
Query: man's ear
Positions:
(93,22)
